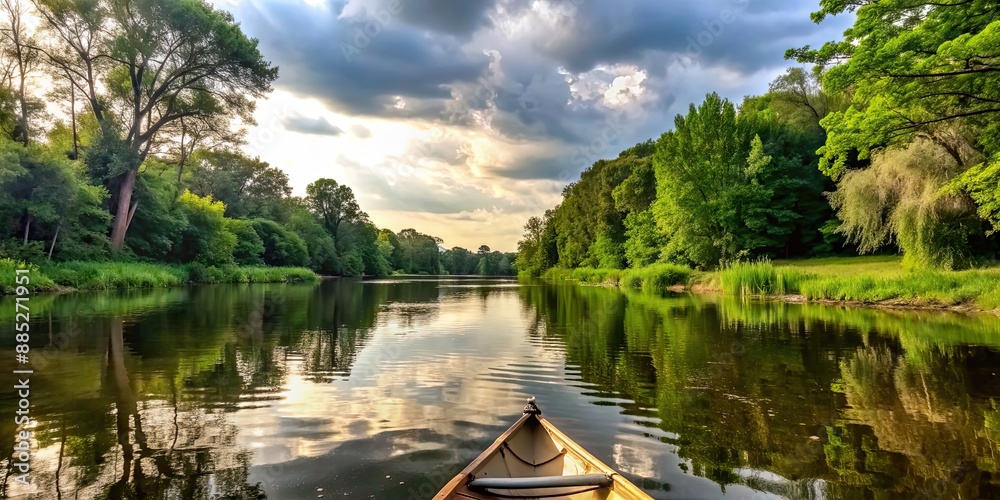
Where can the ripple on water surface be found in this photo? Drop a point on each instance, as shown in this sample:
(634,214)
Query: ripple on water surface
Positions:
(385,389)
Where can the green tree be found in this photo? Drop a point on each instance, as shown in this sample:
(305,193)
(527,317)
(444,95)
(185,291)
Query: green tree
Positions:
(899,200)
(914,69)
(19,47)
(249,187)
(48,205)
(249,246)
(920,76)
(160,225)
(531,256)
(281,246)
(720,195)
(643,240)
(206,238)
(334,204)
(421,251)
(144,64)
(323,256)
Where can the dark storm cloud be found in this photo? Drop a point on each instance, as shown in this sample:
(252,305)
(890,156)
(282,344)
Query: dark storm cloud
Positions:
(359,65)
(743,34)
(306,125)
(451,62)
(448,16)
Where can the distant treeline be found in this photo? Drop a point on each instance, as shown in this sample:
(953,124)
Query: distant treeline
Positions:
(889,143)
(143,164)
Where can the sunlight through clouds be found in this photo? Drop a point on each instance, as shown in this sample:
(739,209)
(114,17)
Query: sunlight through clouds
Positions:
(490,108)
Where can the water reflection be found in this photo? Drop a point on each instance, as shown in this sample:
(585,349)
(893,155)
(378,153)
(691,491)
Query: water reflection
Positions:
(385,389)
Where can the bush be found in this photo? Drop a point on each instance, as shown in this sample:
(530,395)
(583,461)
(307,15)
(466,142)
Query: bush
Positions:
(15,249)
(206,238)
(249,245)
(281,247)
(38,281)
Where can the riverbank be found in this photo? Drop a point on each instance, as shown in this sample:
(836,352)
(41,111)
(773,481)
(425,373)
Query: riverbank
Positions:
(860,281)
(70,276)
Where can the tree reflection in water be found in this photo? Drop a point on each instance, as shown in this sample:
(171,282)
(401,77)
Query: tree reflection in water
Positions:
(852,402)
(143,397)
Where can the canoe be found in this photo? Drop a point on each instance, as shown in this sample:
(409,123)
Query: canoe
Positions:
(533,459)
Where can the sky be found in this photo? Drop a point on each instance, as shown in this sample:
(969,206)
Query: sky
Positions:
(462,119)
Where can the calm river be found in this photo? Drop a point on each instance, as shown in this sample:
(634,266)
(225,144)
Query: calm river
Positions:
(386,388)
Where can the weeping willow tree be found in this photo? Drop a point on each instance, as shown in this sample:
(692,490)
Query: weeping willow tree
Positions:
(902,199)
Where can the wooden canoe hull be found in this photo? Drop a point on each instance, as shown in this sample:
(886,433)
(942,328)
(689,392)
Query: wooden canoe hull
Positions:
(533,447)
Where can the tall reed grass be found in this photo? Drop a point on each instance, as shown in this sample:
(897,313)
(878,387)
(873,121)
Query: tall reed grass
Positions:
(656,278)
(760,278)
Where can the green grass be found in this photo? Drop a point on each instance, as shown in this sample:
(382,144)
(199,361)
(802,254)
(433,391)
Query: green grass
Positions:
(980,287)
(761,278)
(882,265)
(597,276)
(589,275)
(861,279)
(133,275)
(656,278)
(115,275)
(879,279)
(37,281)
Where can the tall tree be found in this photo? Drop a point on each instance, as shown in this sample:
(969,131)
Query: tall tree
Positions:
(334,204)
(916,69)
(143,65)
(19,47)
(720,195)
(920,75)
(249,187)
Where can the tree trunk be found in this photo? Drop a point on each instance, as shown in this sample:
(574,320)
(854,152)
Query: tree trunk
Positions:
(183,157)
(72,113)
(124,401)
(54,238)
(121,222)
(27,228)
(24,110)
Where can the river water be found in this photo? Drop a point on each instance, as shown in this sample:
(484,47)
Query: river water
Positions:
(387,388)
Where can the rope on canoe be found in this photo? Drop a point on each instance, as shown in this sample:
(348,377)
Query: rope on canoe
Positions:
(512,452)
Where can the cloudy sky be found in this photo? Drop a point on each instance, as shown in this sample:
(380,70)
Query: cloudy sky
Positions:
(464,118)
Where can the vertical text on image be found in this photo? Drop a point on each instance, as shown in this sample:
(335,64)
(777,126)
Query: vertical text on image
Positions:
(22,438)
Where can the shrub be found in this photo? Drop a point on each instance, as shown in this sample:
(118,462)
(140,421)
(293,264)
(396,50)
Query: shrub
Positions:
(38,281)
(249,245)
(281,247)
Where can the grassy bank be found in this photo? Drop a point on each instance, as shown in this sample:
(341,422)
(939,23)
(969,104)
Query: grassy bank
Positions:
(866,280)
(656,277)
(128,275)
(874,280)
